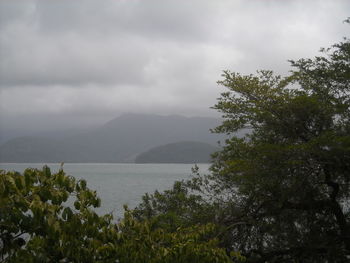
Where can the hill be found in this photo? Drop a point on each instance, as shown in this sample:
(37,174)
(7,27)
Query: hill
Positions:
(119,140)
(180,152)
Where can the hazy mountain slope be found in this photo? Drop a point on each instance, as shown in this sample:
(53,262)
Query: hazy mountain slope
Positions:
(41,149)
(119,140)
(180,152)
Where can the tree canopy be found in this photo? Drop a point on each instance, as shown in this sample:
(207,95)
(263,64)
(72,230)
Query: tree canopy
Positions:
(47,217)
(282,192)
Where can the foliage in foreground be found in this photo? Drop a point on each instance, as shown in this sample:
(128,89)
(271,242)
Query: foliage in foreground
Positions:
(282,192)
(37,225)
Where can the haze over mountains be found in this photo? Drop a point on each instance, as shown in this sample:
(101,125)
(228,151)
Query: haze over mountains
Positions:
(178,152)
(119,140)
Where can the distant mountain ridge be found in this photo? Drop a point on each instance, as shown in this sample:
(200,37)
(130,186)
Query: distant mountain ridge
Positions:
(179,152)
(119,140)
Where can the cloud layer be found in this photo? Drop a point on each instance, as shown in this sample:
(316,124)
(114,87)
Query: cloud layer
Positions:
(96,59)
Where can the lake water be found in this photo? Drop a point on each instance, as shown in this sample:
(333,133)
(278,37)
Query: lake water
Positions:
(119,184)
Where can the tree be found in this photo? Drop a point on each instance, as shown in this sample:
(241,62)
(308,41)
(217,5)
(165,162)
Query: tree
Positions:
(281,193)
(47,217)
(35,226)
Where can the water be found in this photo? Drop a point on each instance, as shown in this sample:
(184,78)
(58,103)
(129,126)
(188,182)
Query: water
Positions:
(119,184)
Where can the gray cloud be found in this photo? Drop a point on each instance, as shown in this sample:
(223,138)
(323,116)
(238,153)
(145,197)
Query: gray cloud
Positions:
(95,59)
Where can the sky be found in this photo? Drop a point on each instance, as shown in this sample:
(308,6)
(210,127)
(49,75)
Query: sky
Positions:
(67,64)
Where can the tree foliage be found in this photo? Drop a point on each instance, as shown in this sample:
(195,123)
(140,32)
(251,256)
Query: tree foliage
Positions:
(47,217)
(281,193)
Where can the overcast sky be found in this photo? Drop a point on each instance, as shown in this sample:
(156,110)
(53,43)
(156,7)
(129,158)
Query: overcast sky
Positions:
(69,63)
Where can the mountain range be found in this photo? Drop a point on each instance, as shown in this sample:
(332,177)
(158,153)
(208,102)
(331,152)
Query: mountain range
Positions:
(178,152)
(119,140)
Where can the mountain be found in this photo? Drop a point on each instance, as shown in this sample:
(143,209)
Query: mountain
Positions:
(180,152)
(119,140)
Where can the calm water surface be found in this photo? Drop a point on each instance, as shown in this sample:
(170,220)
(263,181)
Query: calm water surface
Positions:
(119,184)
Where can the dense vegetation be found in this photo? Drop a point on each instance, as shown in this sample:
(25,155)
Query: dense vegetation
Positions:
(282,192)
(279,194)
(37,226)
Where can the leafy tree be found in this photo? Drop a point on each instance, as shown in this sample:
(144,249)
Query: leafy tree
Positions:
(145,241)
(37,224)
(281,193)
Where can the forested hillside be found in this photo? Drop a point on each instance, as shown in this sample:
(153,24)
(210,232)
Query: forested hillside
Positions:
(181,152)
